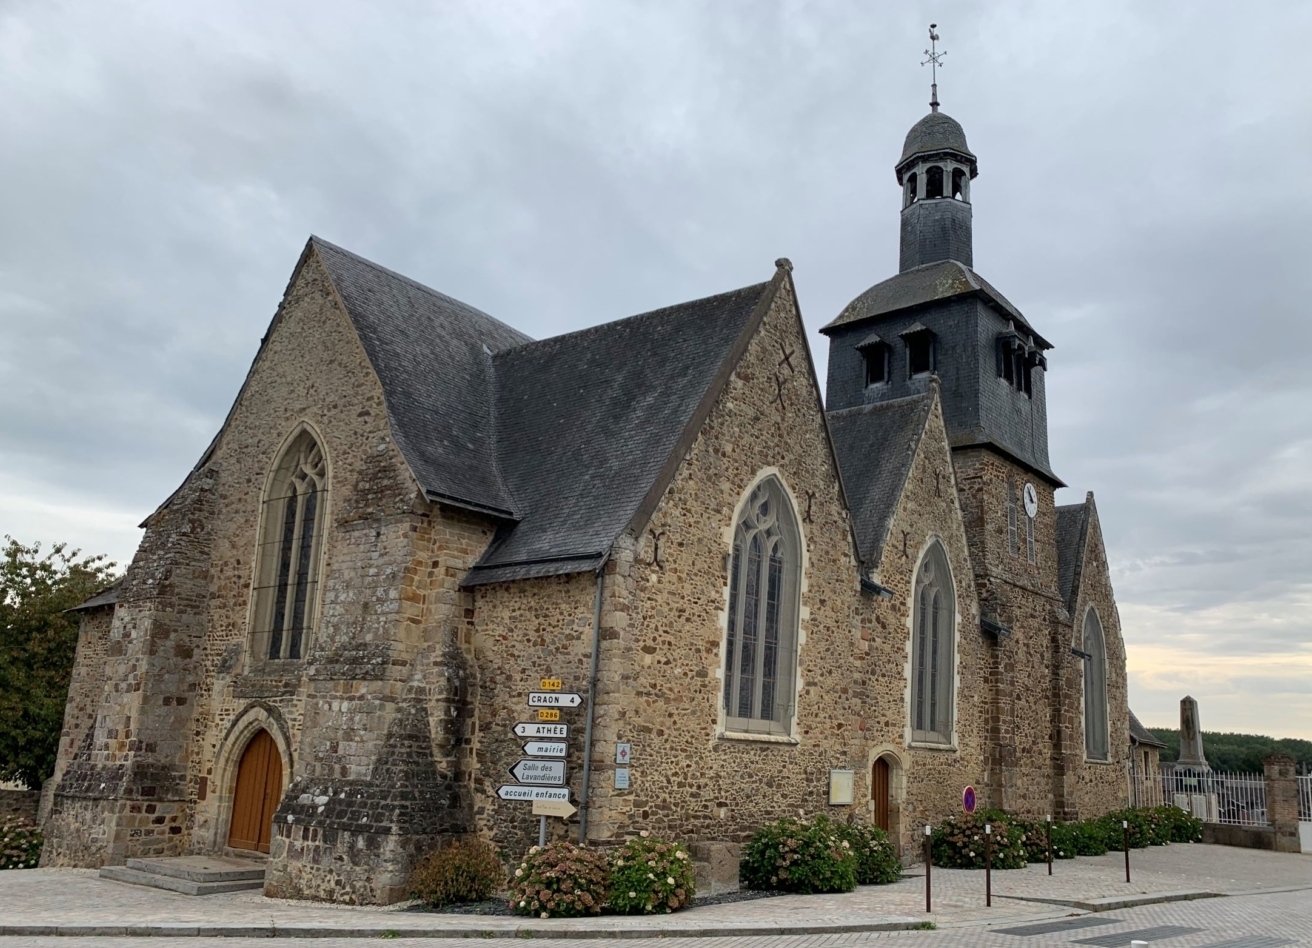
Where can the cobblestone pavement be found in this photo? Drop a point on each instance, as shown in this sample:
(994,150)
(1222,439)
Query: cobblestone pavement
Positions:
(1250,921)
(78,898)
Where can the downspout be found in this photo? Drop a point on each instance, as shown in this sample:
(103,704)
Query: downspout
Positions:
(592,697)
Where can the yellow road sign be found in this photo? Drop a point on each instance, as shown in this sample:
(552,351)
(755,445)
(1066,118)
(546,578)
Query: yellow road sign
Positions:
(548,714)
(552,684)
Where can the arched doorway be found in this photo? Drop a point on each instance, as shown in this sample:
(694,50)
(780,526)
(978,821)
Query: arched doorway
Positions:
(259,788)
(880,793)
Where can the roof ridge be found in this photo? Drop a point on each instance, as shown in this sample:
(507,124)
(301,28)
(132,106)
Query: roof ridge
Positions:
(629,320)
(886,403)
(320,242)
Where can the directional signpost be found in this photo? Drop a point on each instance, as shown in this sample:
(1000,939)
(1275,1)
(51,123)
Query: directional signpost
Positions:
(541,771)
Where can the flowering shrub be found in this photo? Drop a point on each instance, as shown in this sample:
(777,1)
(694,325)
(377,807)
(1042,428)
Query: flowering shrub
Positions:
(467,870)
(20,844)
(1182,826)
(799,856)
(876,857)
(650,875)
(560,880)
(959,843)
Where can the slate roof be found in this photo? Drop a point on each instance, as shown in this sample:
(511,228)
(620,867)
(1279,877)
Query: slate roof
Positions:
(1072,530)
(420,342)
(1141,735)
(929,283)
(936,132)
(876,445)
(106,597)
(588,422)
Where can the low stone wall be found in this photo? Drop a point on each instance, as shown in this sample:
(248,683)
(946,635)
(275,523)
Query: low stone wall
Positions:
(716,865)
(19,803)
(1247,837)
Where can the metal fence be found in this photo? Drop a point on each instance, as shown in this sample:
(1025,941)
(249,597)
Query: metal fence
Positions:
(1213,797)
(1305,797)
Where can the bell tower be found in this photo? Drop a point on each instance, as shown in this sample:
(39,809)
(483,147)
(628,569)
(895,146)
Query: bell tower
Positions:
(935,172)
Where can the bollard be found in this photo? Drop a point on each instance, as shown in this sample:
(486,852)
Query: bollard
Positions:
(1125,828)
(929,865)
(1049,825)
(988,865)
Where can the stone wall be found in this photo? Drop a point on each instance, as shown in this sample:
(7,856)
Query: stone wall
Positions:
(927,782)
(86,684)
(20,804)
(1095,787)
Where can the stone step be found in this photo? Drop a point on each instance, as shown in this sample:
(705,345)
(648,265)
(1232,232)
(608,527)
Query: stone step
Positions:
(172,884)
(203,868)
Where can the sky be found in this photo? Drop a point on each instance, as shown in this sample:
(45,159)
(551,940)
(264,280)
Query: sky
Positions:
(1144,191)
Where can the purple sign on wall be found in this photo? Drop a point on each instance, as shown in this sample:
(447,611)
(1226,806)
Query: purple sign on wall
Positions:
(968,799)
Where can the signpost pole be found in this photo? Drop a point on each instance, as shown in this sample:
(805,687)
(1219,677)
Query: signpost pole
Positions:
(1049,844)
(988,865)
(929,866)
(1125,829)
(542,831)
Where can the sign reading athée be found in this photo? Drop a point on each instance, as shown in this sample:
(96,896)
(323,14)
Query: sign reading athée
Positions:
(542,729)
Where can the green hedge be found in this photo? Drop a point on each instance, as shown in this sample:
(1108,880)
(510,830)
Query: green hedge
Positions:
(806,856)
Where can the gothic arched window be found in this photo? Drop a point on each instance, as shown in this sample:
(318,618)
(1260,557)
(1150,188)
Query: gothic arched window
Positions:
(287,560)
(760,650)
(1096,745)
(933,621)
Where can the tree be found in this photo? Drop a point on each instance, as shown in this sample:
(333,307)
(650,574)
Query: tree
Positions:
(38,641)
(1238,753)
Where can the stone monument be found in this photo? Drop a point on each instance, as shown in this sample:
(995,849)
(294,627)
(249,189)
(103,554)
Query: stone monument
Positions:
(1191,737)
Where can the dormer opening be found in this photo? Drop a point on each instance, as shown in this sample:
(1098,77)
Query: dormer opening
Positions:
(920,350)
(874,354)
(933,182)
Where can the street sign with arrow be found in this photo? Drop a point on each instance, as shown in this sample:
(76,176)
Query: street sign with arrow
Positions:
(530,794)
(541,729)
(554,699)
(546,748)
(544,773)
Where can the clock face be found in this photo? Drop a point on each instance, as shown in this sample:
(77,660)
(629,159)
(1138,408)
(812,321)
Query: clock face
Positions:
(1031,501)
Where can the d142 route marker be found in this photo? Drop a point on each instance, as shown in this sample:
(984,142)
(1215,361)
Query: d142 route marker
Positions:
(529,794)
(546,748)
(539,729)
(543,773)
(554,699)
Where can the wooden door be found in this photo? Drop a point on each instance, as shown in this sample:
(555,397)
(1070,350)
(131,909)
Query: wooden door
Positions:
(259,788)
(879,792)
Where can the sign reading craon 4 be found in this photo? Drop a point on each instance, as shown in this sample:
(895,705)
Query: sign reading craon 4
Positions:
(554,699)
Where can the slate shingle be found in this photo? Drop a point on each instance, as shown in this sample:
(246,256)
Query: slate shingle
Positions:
(876,445)
(1072,528)
(929,283)
(587,421)
(1141,735)
(433,355)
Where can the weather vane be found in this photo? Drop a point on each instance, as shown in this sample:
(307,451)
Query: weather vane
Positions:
(933,59)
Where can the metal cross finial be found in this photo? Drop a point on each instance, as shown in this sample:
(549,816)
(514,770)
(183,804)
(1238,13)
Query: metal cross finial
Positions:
(933,59)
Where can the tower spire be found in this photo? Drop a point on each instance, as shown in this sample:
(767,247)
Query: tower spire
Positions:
(933,59)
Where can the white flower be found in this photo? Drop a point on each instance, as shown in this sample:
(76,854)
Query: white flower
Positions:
(533,849)
(681,855)
(651,877)
(644,834)
(633,895)
(845,845)
(670,880)
(545,915)
(521,903)
(972,855)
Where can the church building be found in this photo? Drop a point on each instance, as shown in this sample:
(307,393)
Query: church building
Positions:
(418,533)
